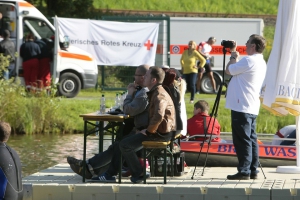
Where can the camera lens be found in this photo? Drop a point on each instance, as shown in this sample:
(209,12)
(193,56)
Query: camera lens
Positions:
(227,43)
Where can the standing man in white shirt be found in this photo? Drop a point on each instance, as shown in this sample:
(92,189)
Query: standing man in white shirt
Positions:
(204,49)
(243,100)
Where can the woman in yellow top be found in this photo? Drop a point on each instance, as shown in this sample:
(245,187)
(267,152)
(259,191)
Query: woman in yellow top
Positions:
(189,67)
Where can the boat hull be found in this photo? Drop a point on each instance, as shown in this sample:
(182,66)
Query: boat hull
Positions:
(223,154)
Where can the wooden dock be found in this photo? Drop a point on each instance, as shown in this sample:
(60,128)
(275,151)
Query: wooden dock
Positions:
(60,183)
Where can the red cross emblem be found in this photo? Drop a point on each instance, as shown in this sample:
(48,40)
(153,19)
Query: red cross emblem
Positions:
(148,45)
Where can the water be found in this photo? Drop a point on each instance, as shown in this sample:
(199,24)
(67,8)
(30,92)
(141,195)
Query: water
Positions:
(38,152)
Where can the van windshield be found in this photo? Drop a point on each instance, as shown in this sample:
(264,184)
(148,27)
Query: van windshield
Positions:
(38,27)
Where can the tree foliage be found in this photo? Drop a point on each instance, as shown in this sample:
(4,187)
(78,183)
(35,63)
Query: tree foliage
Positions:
(65,8)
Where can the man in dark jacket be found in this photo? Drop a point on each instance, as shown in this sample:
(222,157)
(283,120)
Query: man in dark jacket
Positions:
(10,168)
(7,48)
(161,125)
(30,52)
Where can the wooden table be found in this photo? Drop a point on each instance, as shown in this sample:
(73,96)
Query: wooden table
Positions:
(92,119)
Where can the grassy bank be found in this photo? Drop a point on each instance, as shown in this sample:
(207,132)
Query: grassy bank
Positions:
(266,123)
(39,113)
(209,6)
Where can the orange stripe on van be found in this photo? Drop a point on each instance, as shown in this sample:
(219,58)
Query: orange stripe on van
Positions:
(216,49)
(25,4)
(75,56)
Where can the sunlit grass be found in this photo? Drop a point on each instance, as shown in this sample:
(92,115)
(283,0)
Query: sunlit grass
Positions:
(209,6)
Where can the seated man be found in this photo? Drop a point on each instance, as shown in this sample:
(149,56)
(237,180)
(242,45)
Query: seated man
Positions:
(200,121)
(135,104)
(285,132)
(160,128)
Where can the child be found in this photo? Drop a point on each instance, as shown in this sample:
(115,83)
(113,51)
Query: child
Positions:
(200,120)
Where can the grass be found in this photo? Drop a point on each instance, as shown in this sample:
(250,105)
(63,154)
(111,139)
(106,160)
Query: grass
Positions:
(208,6)
(39,113)
(266,123)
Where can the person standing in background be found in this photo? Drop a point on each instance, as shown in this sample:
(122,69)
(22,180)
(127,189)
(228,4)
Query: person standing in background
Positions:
(30,52)
(7,48)
(44,77)
(204,49)
(189,67)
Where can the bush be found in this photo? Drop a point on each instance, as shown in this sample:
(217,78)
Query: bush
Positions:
(28,112)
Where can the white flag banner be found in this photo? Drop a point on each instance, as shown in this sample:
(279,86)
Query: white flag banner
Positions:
(113,43)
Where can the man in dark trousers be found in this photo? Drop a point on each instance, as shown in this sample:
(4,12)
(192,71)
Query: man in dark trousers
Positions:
(10,168)
(243,100)
(30,52)
(7,48)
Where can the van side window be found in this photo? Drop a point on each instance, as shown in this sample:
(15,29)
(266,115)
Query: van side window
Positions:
(38,27)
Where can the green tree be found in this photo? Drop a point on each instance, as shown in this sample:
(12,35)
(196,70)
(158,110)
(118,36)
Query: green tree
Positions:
(67,8)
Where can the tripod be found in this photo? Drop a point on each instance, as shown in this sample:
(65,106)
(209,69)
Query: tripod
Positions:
(213,116)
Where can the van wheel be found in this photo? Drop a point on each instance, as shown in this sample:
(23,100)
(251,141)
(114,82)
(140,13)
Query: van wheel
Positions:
(69,85)
(206,86)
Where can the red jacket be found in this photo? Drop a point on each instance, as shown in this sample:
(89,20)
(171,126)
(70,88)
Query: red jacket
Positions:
(195,126)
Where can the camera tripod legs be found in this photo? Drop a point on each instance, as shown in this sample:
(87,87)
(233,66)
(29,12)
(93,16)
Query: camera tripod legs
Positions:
(262,170)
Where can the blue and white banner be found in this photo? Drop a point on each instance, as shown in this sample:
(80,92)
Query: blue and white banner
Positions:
(113,43)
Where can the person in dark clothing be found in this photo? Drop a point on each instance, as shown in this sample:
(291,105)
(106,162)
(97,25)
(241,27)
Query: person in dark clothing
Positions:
(10,168)
(44,77)
(7,48)
(30,52)
(135,105)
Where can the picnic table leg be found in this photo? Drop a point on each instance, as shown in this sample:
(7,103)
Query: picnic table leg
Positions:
(84,148)
(101,136)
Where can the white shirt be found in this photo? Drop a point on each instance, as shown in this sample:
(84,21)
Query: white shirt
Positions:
(244,87)
(206,49)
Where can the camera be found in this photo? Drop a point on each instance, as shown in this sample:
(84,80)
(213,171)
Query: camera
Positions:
(227,43)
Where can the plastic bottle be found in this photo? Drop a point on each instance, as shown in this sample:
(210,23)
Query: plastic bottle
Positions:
(102,104)
(122,98)
(117,101)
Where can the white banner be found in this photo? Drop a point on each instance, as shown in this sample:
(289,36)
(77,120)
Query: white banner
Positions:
(113,43)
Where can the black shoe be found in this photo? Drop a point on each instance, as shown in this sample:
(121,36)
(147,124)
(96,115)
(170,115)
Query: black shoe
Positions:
(74,161)
(253,176)
(238,176)
(77,167)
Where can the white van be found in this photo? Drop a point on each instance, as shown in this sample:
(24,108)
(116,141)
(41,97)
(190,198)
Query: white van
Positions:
(72,68)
